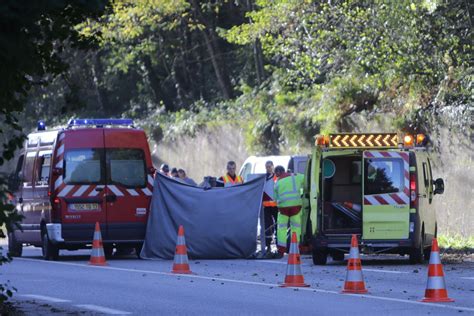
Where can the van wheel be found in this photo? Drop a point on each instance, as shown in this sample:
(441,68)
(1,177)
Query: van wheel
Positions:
(50,251)
(15,249)
(320,257)
(416,253)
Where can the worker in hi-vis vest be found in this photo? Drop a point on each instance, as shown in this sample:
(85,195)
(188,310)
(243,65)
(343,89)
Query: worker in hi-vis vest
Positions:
(231,178)
(288,192)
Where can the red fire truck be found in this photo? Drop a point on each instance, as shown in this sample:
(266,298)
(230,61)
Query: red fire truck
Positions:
(94,170)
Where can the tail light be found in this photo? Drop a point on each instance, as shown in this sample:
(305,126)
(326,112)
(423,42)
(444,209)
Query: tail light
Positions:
(413,191)
(56,209)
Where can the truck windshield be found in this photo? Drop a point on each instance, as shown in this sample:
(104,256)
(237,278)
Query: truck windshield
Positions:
(126,167)
(82,166)
(383,176)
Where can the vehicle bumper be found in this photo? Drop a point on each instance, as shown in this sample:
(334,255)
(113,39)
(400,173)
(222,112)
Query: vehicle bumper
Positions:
(343,243)
(55,233)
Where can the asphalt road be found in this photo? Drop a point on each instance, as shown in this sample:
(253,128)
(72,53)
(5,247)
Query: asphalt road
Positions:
(132,286)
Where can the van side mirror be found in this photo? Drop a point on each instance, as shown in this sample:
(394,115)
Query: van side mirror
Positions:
(438,186)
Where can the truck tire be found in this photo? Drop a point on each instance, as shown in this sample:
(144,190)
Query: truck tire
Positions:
(49,250)
(15,249)
(417,252)
(320,256)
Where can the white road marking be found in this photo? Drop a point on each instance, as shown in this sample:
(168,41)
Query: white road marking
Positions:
(384,271)
(270,261)
(45,298)
(363,269)
(194,276)
(468,278)
(101,309)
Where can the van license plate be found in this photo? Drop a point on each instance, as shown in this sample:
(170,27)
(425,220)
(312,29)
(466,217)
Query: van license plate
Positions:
(84,207)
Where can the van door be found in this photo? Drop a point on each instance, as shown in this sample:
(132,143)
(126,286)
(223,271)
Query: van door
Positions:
(28,205)
(129,186)
(386,195)
(79,186)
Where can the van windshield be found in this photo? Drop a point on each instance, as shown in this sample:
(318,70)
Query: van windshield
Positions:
(126,167)
(82,166)
(383,176)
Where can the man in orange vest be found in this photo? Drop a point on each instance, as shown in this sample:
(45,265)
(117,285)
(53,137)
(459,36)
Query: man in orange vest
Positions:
(231,178)
(270,209)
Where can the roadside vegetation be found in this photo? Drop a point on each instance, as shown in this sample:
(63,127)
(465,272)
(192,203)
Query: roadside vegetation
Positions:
(32,37)
(288,69)
(455,242)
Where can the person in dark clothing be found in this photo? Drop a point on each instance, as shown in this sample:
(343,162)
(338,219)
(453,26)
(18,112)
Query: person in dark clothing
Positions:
(174,174)
(269,205)
(185,178)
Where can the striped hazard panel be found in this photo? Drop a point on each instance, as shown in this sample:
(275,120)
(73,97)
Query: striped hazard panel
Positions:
(70,190)
(399,198)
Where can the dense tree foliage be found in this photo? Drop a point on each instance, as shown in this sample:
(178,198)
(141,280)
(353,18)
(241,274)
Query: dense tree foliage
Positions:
(289,69)
(33,35)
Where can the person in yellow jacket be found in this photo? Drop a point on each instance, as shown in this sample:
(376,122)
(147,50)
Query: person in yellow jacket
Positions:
(231,178)
(288,192)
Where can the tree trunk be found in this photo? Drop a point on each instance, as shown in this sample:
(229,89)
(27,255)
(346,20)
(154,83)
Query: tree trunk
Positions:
(155,85)
(258,56)
(215,54)
(101,93)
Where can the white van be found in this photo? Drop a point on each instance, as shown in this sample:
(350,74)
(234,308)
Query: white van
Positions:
(256,165)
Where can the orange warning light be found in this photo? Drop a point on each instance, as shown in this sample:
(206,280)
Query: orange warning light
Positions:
(408,140)
(420,139)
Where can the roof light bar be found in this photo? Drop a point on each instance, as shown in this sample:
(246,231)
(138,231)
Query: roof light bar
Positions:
(100,122)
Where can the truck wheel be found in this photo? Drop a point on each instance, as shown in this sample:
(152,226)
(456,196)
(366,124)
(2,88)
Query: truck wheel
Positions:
(50,251)
(416,253)
(427,253)
(320,257)
(15,249)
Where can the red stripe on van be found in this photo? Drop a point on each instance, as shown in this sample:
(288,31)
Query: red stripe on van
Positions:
(397,198)
(380,199)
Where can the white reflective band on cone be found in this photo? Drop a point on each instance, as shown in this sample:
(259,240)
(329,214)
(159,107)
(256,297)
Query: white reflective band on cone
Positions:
(293,269)
(354,275)
(354,253)
(436,283)
(97,236)
(434,258)
(180,259)
(180,240)
(97,252)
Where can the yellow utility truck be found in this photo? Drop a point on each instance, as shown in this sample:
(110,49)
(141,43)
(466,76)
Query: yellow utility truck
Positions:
(378,186)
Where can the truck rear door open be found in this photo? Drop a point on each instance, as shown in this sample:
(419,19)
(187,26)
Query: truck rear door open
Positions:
(386,209)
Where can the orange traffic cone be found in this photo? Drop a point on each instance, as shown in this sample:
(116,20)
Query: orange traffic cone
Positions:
(294,277)
(436,287)
(354,278)
(97,253)
(181,264)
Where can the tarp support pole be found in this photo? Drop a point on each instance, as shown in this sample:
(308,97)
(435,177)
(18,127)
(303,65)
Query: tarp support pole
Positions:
(263,247)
